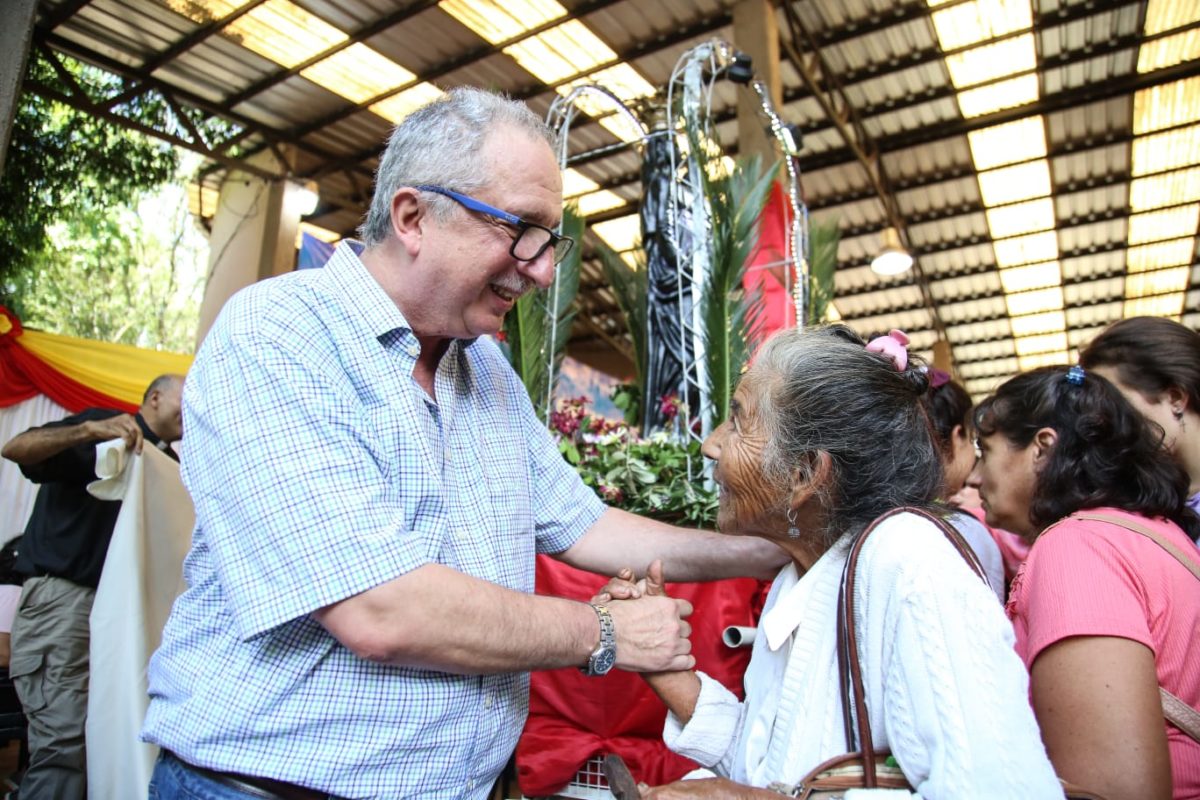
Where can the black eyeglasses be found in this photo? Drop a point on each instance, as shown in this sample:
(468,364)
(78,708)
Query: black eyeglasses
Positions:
(531,239)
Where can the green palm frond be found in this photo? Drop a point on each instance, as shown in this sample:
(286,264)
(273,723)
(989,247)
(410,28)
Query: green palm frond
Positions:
(730,314)
(823,239)
(629,286)
(527,327)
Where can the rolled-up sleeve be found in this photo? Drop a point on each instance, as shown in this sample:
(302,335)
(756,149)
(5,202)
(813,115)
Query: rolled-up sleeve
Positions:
(563,505)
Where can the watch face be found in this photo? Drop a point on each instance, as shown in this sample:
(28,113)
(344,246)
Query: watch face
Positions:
(603,661)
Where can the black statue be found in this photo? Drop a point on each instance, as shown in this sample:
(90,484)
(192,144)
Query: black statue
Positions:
(666,349)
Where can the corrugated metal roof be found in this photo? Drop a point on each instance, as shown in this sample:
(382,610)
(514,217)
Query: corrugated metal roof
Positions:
(890,64)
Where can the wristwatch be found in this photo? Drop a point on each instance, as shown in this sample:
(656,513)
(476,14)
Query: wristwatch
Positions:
(605,655)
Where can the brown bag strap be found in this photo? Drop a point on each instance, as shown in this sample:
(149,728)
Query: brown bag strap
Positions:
(1149,533)
(1180,714)
(849,668)
(1177,712)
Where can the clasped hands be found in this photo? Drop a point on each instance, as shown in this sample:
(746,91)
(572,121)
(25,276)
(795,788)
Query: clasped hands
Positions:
(651,627)
(625,590)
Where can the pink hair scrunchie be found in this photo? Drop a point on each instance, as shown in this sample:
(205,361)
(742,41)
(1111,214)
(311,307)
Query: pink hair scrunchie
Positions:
(893,346)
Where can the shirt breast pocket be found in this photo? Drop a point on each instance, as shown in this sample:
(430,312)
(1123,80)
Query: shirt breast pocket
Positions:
(505,464)
(400,455)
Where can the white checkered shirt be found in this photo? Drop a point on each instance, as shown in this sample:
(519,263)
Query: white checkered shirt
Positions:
(320,469)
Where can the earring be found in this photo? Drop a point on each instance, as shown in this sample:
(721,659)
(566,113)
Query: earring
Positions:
(792,531)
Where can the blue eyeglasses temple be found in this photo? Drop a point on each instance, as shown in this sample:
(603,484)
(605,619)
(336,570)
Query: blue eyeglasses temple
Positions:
(472,203)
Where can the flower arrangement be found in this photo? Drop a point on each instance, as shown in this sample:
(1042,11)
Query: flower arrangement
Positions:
(644,476)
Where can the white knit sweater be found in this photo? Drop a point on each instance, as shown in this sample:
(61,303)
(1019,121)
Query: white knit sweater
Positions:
(946,692)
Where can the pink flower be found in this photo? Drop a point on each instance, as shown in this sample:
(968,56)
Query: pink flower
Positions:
(564,423)
(611,494)
(668,406)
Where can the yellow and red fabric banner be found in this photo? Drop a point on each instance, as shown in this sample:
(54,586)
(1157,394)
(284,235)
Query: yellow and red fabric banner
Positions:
(77,373)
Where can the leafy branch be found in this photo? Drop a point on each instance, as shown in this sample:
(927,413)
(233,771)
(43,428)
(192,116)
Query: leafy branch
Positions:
(643,476)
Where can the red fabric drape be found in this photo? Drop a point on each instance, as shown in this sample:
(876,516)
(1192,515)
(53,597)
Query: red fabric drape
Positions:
(23,375)
(774,228)
(573,717)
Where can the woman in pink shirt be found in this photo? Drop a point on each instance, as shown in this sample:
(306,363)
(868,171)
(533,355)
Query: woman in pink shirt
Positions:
(1155,362)
(1103,615)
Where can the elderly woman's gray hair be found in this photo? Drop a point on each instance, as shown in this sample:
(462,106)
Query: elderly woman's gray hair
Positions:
(824,392)
(441,144)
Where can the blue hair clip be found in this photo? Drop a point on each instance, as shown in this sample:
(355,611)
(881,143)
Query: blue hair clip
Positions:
(1075,375)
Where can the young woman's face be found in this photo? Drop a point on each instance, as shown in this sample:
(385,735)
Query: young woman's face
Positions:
(958,461)
(1007,478)
(1158,410)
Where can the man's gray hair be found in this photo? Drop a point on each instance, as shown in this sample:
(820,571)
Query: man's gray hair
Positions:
(441,144)
(821,391)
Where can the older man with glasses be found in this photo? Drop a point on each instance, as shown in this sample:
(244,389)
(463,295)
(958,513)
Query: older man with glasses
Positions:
(372,487)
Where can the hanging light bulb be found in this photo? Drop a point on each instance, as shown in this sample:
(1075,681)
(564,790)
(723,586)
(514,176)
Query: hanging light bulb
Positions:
(893,258)
(307,196)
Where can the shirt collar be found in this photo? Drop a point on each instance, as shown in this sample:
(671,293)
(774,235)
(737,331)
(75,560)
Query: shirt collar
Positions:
(363,293)
(151,437)
(794,601)
(383,317)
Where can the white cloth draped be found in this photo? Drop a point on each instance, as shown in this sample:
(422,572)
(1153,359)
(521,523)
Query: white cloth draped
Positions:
(142,577)
(16,492)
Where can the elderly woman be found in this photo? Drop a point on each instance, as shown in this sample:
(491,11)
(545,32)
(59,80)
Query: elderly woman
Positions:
(1104,611)
(823,437)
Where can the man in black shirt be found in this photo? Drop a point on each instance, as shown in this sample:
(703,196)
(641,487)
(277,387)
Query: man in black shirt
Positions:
(62,552)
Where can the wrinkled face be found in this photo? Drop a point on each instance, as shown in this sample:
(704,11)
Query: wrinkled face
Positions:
(748,504)
(1157,411)
(472,280)
(164,414)
(1007,479)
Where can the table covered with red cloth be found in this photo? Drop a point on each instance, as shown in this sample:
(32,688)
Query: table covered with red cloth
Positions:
(573,717)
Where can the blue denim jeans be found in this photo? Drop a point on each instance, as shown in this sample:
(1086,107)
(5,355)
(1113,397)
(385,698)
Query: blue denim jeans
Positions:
(175,780)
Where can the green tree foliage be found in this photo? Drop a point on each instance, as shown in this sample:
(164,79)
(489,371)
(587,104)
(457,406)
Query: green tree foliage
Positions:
(133,276)
(66,166)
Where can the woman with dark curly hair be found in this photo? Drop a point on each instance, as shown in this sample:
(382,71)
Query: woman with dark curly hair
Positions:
(1103,610)
(1155,362)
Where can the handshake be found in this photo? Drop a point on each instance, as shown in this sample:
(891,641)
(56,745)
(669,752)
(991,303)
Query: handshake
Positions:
(649,629)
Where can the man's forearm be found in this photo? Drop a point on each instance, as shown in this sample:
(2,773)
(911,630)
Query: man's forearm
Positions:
(35,446)
(620,539)
(438,618)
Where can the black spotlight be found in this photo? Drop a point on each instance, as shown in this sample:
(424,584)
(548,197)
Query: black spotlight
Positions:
(741,69)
